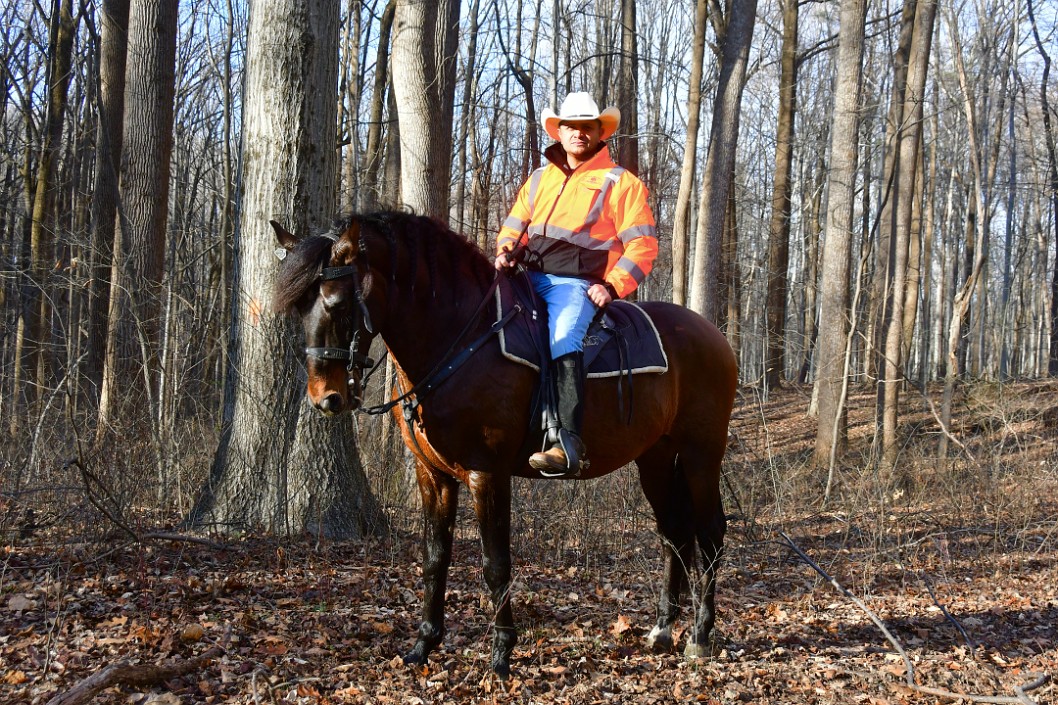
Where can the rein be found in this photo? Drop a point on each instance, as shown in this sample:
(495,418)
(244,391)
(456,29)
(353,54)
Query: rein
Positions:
(441,371)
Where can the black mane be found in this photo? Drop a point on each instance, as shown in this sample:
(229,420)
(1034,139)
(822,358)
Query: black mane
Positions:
(439,246)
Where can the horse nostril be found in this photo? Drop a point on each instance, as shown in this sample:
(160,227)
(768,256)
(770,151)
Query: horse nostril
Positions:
(331,404)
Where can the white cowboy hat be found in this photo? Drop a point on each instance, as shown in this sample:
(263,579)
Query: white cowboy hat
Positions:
(580,106)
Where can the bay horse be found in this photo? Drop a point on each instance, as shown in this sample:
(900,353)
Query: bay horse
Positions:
(425,290)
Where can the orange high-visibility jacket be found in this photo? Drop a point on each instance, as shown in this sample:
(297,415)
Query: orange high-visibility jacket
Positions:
(592,222)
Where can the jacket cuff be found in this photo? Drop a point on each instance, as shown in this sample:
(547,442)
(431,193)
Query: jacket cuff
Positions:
(613,292)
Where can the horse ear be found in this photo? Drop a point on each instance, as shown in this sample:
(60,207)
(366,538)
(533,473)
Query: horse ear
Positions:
(286,238)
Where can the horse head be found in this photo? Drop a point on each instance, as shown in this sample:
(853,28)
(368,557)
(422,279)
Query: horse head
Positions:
(328,280)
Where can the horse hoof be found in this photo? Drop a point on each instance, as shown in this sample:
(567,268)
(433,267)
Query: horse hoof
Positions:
(415,657)
(695,650)
(659,640)
(502,669)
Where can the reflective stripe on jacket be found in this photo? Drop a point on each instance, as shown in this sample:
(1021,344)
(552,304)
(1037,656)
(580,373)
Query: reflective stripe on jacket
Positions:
(593,222)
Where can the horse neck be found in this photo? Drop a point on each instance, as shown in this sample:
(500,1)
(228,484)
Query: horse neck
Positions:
(420,329)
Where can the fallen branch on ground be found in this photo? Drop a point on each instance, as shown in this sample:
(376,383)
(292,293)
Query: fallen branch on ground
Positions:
(124,673)
(909,669)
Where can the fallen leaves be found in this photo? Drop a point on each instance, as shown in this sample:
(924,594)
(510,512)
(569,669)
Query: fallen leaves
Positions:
(331,626)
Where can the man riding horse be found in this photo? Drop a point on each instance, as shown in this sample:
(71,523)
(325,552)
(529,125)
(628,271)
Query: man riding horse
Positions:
(584,230)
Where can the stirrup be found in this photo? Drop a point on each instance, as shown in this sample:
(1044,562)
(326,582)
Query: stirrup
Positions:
(566,459)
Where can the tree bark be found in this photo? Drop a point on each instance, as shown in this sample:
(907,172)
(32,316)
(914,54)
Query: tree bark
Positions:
(1052,184)
(113,44)
(705,295)
(280,465)
(779,231)
(628,91)
(905,169)
(37,342)
(424,46)
(682,212)
(833,347)
(140,235)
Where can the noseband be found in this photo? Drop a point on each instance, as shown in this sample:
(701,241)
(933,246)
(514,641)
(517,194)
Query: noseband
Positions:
(361,317)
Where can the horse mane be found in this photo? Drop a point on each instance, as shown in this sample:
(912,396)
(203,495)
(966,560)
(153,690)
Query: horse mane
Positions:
(452,261)
(418,234)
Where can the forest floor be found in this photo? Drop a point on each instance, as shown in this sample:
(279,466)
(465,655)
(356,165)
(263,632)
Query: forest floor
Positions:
(961,566)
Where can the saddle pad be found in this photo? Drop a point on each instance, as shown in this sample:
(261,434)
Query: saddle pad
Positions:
(623,339)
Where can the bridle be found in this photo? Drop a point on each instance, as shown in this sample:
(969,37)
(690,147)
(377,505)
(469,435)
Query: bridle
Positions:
(361,319)
(449,362)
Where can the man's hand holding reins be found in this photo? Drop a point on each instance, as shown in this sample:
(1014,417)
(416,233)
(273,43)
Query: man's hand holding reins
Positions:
(503,262)
(599,295)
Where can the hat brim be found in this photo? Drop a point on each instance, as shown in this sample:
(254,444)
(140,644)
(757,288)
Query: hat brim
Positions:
(610,119)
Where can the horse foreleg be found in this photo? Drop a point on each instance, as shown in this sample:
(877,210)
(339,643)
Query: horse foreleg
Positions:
(440,494)
(492,504)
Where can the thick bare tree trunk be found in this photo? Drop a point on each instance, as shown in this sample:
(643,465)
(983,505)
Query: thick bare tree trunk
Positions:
(37,338)
(374,152)
(834,346)
(705,295)
(1052,170)
(628,90)
(881,292)
(139,240)
(113,44)
(779,231)
(908,141)
(467,116)
(281,465)
(681,216)
(351,80)
(424,47)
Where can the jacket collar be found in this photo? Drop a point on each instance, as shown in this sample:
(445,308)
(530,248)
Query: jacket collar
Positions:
(600,160)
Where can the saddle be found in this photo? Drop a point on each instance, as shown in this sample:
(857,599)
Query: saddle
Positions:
(622,340)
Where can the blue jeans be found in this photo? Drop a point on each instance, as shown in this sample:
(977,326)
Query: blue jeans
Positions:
(569,310)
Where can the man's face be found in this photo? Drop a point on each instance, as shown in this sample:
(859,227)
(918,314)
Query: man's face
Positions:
(579,137)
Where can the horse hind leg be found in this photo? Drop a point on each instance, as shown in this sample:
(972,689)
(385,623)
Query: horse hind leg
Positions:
(492,504)
(666,491)
(701,468)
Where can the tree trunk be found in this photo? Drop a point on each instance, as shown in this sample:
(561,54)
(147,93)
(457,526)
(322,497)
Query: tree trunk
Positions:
(681,215)
(628,91)
(37,347)
(719,165)
(353,90)
(139,240)
(280,465)
(905,169)
(467,115)
(374,153)
(1052,184)
(113,43)
(882,279)
(834,346)
(812,232)
(424,47)
(779,231)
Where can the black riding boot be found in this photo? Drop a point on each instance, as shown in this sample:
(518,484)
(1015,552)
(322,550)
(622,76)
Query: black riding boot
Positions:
(569,456)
